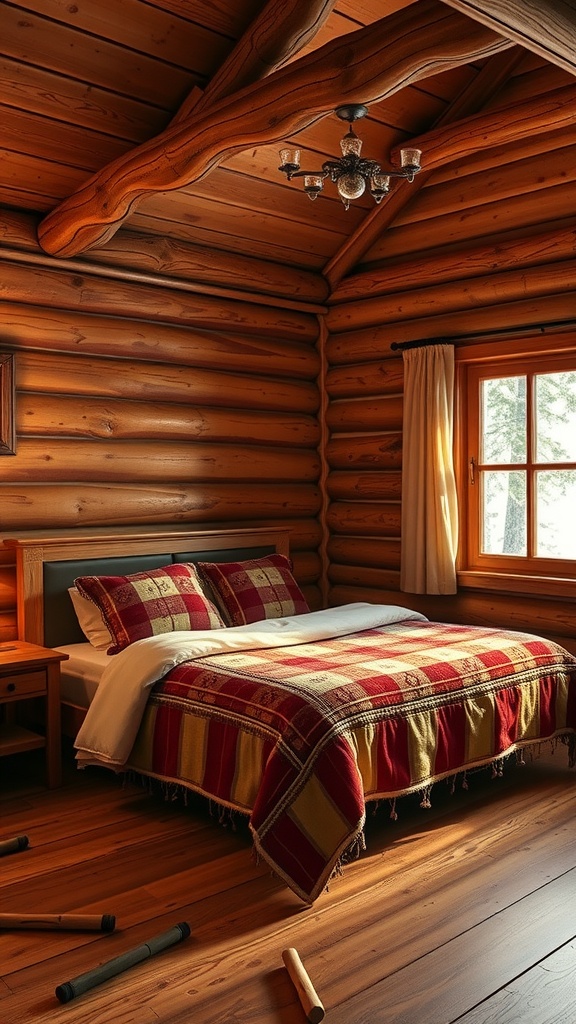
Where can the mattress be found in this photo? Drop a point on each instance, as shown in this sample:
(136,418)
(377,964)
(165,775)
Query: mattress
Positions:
(81,674)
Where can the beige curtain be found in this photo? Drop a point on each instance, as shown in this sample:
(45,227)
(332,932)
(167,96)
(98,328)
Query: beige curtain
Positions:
(429,506)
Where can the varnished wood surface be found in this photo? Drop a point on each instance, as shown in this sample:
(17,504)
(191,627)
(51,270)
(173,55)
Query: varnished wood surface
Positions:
(184,371)
(465,911)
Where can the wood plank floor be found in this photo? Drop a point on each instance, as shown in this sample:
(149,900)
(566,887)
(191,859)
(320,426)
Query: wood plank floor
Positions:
(465,912)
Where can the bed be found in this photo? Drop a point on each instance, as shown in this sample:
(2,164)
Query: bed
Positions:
(295,718)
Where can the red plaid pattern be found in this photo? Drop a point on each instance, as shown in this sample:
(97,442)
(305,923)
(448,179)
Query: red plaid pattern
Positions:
(256,589)
(148,603)
(301,737)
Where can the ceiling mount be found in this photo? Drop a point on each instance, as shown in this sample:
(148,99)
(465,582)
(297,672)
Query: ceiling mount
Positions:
(350,173)
(351,112)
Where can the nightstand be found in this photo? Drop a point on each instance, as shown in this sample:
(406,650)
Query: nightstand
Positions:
(27,671)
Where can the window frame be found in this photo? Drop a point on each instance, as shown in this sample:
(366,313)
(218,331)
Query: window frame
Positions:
(555,577)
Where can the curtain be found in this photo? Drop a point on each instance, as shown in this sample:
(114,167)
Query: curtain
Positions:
(429,504)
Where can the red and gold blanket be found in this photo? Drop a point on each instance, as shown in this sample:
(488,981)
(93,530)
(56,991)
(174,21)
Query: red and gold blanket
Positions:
(300,737)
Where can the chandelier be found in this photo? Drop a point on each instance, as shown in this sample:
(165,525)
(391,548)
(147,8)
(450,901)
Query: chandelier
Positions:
(351,173)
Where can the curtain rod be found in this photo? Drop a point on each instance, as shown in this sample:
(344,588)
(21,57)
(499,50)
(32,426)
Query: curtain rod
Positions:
(422,342)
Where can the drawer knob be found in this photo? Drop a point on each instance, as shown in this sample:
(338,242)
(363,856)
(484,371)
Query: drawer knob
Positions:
(11,687)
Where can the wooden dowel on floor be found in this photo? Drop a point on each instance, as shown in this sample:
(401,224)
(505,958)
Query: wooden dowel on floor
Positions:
(81,922)
(13,845)
(307,994)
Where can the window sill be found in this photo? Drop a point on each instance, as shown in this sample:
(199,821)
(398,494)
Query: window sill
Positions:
(543,586)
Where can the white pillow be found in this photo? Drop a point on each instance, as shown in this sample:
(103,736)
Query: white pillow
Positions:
(91,622)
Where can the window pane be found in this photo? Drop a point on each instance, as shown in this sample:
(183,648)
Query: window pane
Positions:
(504,512)
(503,420)
(555,511)
(555,404)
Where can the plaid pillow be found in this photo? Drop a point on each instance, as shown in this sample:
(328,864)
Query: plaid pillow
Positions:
(259,588)
(148,603)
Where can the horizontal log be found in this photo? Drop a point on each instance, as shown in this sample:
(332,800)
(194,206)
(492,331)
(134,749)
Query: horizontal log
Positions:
(542,618)
(313,596)
(81,375)
(380,519)
(384,376)
(340,594)
(376,579)
(27,327)
(540,209)
(55,288)
(373,343)
(499,126)
(51,506)
(384,485)
(363,552)
(455,295)
(369,414)
(306,566)
(147,462)
(81,417)
(532,178)
(368,452)
(170,257)
(541,147)
(458,263)
(305,534)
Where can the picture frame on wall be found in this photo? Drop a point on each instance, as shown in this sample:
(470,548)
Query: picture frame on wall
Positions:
(7,414)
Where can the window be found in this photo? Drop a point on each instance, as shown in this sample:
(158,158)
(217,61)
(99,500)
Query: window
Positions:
(518,469)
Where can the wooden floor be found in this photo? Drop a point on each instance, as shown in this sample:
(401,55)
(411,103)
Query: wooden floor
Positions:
(465,912)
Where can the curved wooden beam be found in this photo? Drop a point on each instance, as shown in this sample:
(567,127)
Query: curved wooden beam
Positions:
(279,32)
(546,27)
(364,66)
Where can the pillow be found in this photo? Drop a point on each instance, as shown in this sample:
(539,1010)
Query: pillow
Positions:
(91,622)
(148,603)
(259,588)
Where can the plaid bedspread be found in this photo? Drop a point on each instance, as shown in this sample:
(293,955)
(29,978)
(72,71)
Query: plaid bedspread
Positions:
(300,738)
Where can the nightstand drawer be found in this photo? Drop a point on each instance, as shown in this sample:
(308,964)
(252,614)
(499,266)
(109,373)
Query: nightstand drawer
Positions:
(21,684)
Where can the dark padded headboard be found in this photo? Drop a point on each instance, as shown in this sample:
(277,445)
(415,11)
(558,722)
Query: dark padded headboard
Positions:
(48,565)
(60,622)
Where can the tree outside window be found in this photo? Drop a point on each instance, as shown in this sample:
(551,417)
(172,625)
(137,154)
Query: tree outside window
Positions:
(519,442)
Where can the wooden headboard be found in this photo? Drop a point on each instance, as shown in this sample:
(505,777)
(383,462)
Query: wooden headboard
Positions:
(47,565)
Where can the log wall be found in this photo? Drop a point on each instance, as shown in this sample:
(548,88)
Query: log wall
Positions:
(147,398)
(487,245)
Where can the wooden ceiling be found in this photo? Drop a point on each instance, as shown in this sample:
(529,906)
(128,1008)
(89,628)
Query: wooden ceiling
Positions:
(165,116)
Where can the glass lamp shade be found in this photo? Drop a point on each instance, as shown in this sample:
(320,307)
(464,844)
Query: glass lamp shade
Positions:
(410,158)
(380,186)
(351,186)
(290,159)
(351,145)
(313,185)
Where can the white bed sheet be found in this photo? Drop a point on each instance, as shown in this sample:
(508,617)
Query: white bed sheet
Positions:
(81,674)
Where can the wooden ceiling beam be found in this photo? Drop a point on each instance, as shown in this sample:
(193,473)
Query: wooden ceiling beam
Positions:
(278,33)
(364,66)
(552,111)
(546,27)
